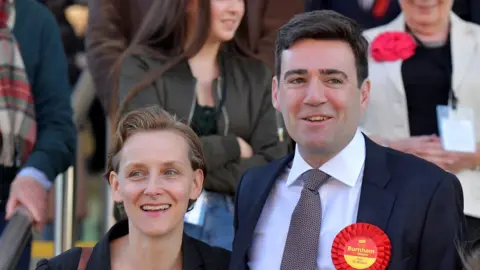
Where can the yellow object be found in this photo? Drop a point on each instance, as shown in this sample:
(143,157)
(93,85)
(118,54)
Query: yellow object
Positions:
(44,249)
(77,16)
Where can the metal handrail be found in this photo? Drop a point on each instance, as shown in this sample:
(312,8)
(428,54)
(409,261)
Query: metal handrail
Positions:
(14,238)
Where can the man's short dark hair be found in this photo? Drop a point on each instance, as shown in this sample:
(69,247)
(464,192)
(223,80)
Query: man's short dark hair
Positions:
(324,25)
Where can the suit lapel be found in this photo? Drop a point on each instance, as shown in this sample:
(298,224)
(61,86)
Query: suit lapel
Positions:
(375,201)
(463,46)
(259,194)
(394,68)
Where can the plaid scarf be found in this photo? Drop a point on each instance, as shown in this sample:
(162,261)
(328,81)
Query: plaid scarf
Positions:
(18,127)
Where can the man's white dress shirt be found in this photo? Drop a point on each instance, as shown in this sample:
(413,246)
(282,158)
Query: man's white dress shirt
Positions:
(340,198)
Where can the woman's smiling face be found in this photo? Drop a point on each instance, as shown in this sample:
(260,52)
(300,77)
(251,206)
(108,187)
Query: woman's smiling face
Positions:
(155,181)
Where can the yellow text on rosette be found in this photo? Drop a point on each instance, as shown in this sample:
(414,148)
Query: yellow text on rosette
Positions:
(360,253)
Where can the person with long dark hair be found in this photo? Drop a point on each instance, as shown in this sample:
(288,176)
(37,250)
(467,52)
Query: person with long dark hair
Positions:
(186,59)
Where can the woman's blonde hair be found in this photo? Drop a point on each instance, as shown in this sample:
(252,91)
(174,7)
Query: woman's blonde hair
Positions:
(471,256)
(471,261)
(153,118)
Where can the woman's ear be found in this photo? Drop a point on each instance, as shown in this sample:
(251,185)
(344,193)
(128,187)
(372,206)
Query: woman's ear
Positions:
(115,187)
(197,186)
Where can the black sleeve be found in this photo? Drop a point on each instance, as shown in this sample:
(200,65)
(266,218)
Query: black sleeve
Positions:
(67,260)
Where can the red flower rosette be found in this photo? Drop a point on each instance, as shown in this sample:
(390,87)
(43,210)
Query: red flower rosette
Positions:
(361,246)
(392,46)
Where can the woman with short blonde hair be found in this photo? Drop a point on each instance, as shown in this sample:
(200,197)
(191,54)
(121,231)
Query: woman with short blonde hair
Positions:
(156,170)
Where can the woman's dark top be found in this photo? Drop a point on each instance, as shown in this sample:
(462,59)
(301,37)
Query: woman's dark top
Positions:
(196,255)
(204,121)
(427,81)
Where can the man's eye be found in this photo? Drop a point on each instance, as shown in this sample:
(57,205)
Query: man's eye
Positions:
(334,81)
(296,81)
(170,172)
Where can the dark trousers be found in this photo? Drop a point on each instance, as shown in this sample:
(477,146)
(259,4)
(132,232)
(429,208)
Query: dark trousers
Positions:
(24,261)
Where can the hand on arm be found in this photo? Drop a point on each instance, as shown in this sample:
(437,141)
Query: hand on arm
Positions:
(31,192)
(430,148)
(246,150)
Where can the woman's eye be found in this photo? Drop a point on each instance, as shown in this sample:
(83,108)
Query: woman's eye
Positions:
(136,174)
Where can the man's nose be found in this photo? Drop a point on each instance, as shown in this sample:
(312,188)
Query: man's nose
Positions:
(315,93)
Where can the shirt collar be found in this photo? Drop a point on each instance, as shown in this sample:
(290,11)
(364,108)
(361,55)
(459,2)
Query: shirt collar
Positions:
(345,167)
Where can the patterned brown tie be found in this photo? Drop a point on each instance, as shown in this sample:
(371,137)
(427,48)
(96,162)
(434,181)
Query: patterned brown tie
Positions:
(301,247)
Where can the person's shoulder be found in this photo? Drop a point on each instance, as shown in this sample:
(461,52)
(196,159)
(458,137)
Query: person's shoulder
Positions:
(35,12)
(213,257)
(252,66)
(372,33)
(136,61)
(67,260)
(470,27)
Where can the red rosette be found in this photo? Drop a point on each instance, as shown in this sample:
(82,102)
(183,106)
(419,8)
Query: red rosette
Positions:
(361,246)
(393,46)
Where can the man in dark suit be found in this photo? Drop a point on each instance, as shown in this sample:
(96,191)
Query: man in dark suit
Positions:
(288,213)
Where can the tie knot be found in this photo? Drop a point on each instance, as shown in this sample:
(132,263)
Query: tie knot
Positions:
(314,179)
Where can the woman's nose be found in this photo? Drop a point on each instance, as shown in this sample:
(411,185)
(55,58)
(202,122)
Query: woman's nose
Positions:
(154,185)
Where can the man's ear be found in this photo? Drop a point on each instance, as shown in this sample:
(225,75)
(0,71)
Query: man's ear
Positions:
(275,90)
(365,94)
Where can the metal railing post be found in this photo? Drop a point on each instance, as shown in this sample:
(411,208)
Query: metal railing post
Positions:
(59,182)
(69,209)
(65,195)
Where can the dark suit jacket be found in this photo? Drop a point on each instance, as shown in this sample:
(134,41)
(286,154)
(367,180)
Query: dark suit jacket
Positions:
(196,254)
(417,204)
